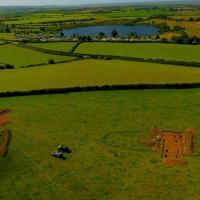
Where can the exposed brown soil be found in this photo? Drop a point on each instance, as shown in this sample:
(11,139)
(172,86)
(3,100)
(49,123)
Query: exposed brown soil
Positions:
(4,111)
(4,116)
(4,119)
(5,135)
(172,145)
(172,148)
(4,142)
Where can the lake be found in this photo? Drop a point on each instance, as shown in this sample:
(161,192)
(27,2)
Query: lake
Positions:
(122,30)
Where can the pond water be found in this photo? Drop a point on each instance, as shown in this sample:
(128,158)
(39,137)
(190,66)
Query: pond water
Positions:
(122,30)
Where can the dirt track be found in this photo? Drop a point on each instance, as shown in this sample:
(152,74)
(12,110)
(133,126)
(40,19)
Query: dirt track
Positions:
(4,142)
(4,117)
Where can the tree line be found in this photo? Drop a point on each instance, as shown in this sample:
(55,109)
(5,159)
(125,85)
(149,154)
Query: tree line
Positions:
(101,88)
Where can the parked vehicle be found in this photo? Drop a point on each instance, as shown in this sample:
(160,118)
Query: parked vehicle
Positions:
(64,149)
(58,155)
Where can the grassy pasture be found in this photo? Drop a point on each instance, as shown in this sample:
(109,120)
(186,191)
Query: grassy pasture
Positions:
(6,36)
(2,42)
(51,17)
(192,28)
(135,13)
(55,46)
(94,72)
(186,14)
(169,35)
(104,130)
(18,56)
(46,19)
(143,50)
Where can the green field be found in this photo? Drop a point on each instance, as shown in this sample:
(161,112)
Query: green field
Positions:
(52,20)
(34,18)
(131,12)
(6,36)
(176,52)
(55,46)
(18,56)
(104,131)
(2,42)
(95,72)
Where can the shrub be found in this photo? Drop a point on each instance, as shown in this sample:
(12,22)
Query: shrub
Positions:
(51,61)
(101,34)
(114,33)
(164,40)
(9,66)
(2,67)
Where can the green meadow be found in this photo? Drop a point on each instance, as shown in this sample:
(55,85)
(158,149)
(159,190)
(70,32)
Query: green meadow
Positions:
(55,46)
(2,42)
(6,36)
(104,131)
(131,12)
(18,56)
(95,72)
(34,18)
(176,52)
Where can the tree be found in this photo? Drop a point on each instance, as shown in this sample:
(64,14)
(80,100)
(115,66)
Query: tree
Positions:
(42,29)
(164,40)
(101,34)
(2,67)
(178,28)
(157,37)
(51,61)
(183,39)
(193,40)
(7,30)
(9,66)
(164,28)
(82,38)
(114,33)
(191,19)
(133,34)
(62,34)
(89,39)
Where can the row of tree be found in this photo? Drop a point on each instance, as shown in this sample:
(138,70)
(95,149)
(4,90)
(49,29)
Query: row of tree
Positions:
(183,39)
(6,66)
(100,88)
(114,33)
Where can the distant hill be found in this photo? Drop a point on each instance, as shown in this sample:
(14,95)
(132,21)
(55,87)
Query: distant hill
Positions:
(137,2)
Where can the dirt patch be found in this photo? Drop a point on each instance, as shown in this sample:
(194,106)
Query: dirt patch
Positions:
(172,148)
(4,117)
(5,138)
(4,111)
(172,145)
(5,135)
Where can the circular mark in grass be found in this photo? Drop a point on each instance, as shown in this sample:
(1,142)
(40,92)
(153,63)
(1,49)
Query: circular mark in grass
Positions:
(127,139)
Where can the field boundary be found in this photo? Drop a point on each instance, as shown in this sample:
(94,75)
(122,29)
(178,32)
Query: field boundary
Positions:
(75,47)
(110,57)
(47,64)
(100,88)
(3,44)
(41,49)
